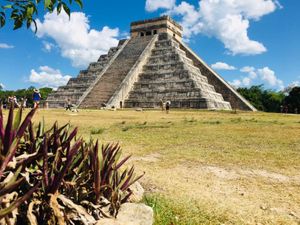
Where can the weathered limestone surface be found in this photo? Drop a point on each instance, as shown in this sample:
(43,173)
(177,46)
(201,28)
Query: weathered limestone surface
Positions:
(76,87)
(170,75)
(221,86)
(113,77)
(125,87)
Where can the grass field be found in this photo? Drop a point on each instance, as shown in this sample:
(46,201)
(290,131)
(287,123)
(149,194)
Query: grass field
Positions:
(205,167)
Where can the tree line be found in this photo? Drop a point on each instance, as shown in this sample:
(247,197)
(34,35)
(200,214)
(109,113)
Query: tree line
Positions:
(272,101)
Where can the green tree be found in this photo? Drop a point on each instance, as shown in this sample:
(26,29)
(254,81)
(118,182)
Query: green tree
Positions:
(25,11)
(272,100)
(253,95)
(264,100)
(292,101)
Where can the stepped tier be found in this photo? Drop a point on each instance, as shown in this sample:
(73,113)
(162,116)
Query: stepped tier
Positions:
(103,90)
(169,75)
(76,87)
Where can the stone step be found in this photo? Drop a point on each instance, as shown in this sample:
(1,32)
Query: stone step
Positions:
(115,74)
(170,66)
(166,50)
(199,103)
(166,43)
(188,92)
(168,57)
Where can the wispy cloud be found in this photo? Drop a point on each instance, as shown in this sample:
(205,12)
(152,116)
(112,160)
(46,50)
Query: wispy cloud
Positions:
(6,46)
(222,66)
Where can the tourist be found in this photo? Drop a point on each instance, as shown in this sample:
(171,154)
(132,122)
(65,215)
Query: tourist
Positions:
(36,98)
(69,105)
(168,103)
(9,101)
(162,105)
(24,102)
(4,103)
(15,101)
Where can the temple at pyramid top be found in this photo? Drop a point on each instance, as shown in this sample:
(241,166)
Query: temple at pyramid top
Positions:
(154,26)
(151,67)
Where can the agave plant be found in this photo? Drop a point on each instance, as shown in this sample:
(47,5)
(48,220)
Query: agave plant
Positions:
(49,175)
(11,170)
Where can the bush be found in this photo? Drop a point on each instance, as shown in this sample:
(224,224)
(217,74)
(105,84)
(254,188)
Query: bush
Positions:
(264,100)
(53,177)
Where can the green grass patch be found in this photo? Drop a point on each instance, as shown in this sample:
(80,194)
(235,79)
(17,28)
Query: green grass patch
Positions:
(170,212)
(95,131)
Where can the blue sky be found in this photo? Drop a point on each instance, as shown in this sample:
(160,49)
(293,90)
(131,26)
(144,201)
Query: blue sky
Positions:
(248,42)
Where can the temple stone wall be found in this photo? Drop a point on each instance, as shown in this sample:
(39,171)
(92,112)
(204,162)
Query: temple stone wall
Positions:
(221,86)
(170,75)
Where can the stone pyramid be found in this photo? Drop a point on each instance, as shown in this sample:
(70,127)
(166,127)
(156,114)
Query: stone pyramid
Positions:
(153,65)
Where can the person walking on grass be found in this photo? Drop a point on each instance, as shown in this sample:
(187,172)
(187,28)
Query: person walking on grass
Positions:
(168,103)
(36,97)
(69,105)
(161,103)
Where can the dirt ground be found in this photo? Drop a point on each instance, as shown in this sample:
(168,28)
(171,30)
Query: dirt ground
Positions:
(241,168)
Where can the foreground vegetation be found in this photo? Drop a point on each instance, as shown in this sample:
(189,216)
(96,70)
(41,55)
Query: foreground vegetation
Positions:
(47,175)
(205,167)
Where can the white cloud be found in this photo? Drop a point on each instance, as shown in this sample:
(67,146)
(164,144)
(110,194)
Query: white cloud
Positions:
(263,75)
(236,83)
(152,5)
(242,82)
(48,46)
(2,86)
(6,46)
(269,76)
(226,20)
(222,66)
(74,37)
(48,77)
(250,70)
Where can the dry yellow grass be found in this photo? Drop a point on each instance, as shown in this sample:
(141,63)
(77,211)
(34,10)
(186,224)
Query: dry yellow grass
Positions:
(206,167)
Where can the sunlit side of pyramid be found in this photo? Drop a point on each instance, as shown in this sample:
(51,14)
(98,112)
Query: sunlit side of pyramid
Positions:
(153,65)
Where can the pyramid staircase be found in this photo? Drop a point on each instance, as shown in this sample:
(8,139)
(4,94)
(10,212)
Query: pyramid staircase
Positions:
(76,87)
(112,78)
(170,75)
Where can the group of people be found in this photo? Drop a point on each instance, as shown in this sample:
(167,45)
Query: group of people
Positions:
(22,102)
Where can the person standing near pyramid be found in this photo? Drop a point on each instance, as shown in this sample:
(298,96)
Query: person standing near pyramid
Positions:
(36,97)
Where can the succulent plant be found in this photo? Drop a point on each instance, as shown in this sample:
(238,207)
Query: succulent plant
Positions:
(47,176)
